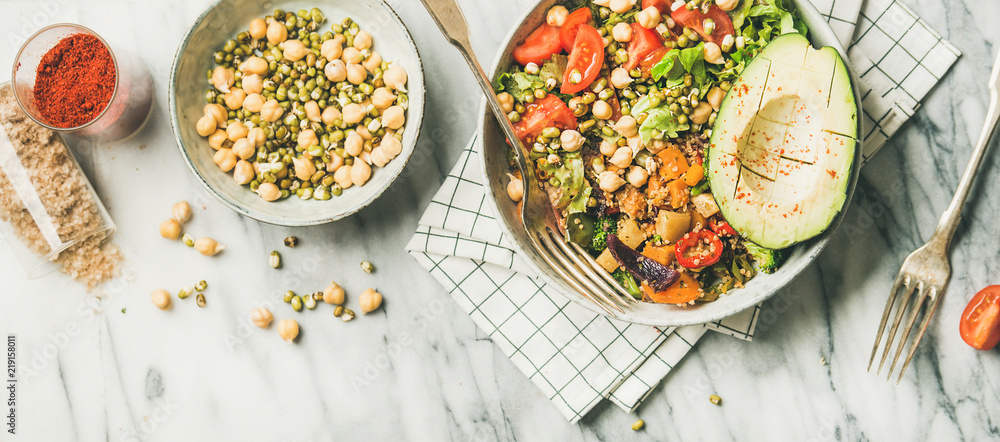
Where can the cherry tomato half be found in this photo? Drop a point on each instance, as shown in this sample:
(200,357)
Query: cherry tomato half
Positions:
(699,249)
(567,34)
(696,21)
(539,46)
(643,42)
(586,60)
(547,112)
(662,5)
(651,59)
(721,227)
(980,325)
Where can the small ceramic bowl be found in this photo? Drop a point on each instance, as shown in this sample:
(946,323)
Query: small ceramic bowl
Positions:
(221,21)
(494,167)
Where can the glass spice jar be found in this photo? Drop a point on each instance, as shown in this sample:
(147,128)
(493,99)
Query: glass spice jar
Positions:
(131,99)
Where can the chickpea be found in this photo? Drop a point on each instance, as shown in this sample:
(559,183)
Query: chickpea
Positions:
(254,65)
(343,176)
(395,77)
(370,300)
(234,99)
(258,29)
(218,112)
(218,139)
(170,229)
(268,191)
(713,53)
(257,136)
(351,55)
(727,5)
(223,78)
(620,78)
(610,181)
(637,176)
(335,162)
(261,317)
(557,15)
(515,188)
(206,125)
(333,294)
(253,84)
(276,32)
(363,40)
(236,131)
(393,117)
(391,146)
(621,6)
(378,157)
(243,173)
(336,71)
(225,158)
(332,49)
(307,138)
(330,115)
(373,62)
(635,143)
(382,98)
(271,111)
(701,112)
(360,173)
(288,329)
(313,112)
(627,126)
(622,32)
(657,146)
(304,168)
(181,211)
(354,144)
(571,140)
(622,157)
(602,110)
(161,299)
(715,97)
(648,18)
(506,101)
(253,102)
(356,74)
(363,131)
(354,113)
(608,148)
(208,246)
(244,148)
(293,50)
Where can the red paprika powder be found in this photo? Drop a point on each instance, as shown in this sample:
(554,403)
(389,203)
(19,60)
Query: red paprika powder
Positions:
(74,81)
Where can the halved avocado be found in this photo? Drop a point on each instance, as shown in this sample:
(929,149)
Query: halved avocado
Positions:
(783,144)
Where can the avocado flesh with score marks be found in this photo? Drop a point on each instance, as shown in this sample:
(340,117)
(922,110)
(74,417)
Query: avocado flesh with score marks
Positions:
(783,145)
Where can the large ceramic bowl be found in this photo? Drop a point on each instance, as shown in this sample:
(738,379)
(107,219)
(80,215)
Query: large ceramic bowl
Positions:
(221,21)
(494,167)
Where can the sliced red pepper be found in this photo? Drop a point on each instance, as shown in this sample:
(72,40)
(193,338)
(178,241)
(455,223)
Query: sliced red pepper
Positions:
(721,227)
(709,249)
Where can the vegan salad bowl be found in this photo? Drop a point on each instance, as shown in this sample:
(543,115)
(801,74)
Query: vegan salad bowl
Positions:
(703,152)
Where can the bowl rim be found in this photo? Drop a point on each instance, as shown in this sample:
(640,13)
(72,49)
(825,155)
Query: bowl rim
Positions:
(238,208)
(814,246)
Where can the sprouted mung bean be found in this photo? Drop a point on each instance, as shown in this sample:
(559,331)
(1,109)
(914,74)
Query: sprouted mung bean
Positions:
(291,241)
(200,299)
(293,110)
(275,260)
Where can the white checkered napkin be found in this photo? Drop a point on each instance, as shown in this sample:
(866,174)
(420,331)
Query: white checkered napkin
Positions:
(574,356)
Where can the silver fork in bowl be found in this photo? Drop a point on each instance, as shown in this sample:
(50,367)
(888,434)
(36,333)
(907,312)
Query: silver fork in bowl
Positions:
(570,261)
(926,271)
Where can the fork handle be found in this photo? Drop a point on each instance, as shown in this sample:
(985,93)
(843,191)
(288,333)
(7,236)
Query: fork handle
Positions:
(949,221)
(449,18)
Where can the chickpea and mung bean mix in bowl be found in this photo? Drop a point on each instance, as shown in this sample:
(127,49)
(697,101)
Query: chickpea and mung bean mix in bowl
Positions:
(294,117)
(616,102)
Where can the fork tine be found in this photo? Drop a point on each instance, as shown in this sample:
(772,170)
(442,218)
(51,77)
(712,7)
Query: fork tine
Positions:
(573,275)
(923,327)
(583,270)
(917,305)
(885,315)
(600,272)
(910,288)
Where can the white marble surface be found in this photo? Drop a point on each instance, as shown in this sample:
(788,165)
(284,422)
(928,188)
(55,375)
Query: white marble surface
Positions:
(418,369)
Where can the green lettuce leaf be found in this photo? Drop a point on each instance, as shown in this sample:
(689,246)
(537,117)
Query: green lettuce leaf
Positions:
(570,174)
(660,120)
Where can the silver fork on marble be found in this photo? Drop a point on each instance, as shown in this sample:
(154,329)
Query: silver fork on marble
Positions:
(926,271)
(570,261)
